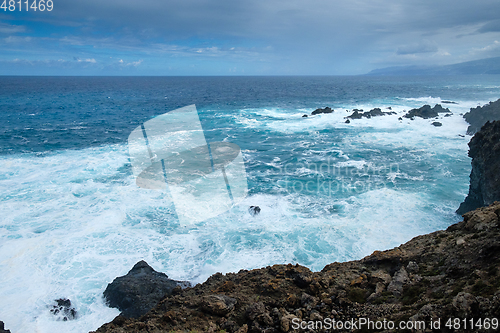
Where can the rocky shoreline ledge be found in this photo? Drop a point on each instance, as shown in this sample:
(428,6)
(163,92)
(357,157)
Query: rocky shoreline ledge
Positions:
(452,273)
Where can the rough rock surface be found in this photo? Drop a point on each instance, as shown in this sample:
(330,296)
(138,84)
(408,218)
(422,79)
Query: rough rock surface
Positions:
(453,273)
(427,112)
(63,310)
(140,290)
(358,114)
(319,111)
(484,186)
(2,328)
(477,117)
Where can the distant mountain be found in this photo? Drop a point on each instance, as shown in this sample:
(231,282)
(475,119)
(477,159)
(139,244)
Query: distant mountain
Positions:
(482,66)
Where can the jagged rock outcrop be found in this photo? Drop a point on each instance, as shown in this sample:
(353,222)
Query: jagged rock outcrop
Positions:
(62,310)
(427,112)
(358,114)
(453,273)
(477,117)
(319,111)
(484,186)
(140,290)
(2,328)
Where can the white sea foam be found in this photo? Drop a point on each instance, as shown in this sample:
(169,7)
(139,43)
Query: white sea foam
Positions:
(74,220)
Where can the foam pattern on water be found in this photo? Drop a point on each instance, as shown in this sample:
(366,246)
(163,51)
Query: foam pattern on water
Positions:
(73,219)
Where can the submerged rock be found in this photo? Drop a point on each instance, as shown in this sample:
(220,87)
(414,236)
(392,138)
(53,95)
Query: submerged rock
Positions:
(319,111)
(358,114)
(437,124)
(254,210)
(484,186)
(140,290)
(426,112)
(477,117)
(63,310)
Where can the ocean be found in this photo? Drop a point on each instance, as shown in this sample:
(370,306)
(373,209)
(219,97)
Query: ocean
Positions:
(72,217)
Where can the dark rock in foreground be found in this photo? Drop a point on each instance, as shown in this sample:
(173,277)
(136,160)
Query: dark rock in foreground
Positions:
(63,310)
(358,114)
(2,328)
(427,112)
(484,186)
(319,111)
(477,117)
(140,290)
(437,124)
(453,273)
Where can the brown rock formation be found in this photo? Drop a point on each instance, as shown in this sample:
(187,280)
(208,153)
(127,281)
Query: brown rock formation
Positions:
(453,273)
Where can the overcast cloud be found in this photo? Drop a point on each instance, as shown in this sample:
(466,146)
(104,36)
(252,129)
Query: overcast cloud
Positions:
(252,37)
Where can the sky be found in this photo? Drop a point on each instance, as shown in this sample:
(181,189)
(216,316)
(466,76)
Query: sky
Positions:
(250,37)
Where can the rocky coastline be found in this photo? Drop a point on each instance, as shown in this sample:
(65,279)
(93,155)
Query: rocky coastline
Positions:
(484,149)
(452,273)
(425,112)
(447,274)
(478,116)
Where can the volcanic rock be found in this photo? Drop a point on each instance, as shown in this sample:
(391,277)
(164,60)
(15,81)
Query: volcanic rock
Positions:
(2,328)
(319,111)
(63,310)
(140,290)
(484,148)
(254,210)
(477,117)
(453,273)
(358,114)
(426,112)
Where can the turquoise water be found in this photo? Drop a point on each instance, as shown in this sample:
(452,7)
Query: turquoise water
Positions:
(72,218)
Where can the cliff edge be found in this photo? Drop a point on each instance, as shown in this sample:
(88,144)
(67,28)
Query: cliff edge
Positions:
(478,116)
(484,186)
(452,273)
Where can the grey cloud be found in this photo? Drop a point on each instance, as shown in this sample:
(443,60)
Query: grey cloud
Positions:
(310,35)
(492,26)
(414,48)
(11,29)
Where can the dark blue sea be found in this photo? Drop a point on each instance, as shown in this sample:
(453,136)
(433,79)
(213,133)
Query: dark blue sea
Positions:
(72,217)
